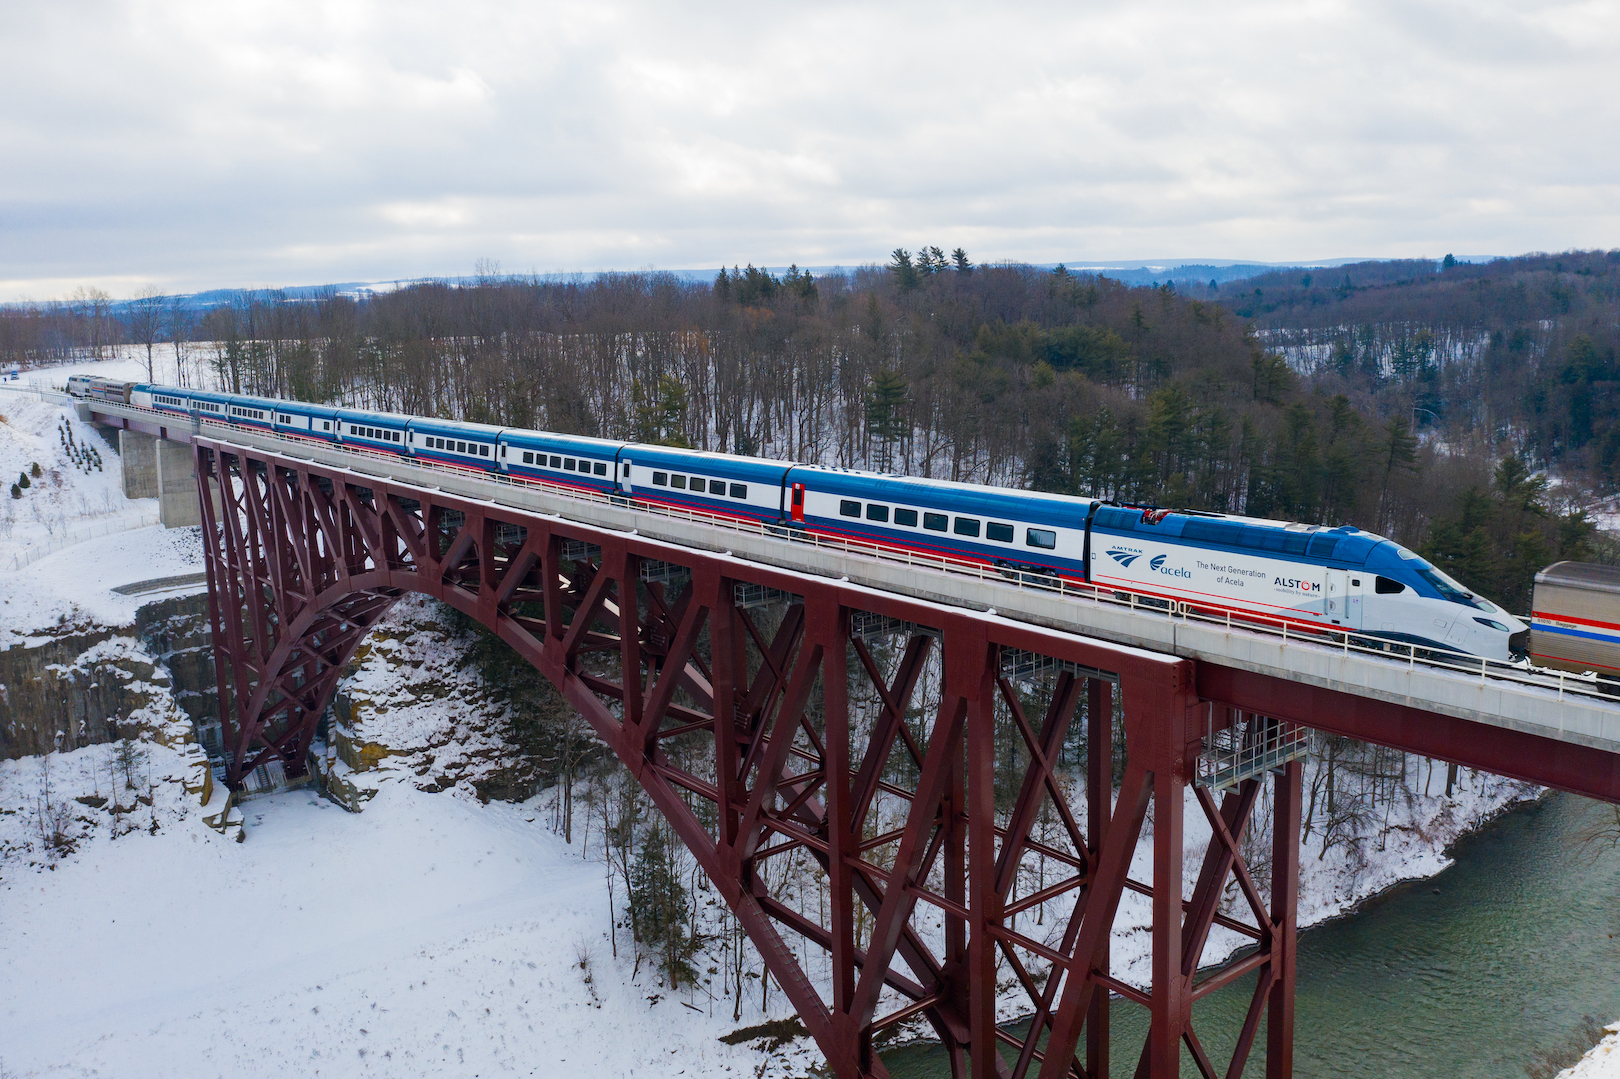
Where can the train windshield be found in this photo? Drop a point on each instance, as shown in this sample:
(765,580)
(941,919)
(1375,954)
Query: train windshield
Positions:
(1450,589)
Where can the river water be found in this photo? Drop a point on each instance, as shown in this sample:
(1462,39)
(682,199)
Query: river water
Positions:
(1467,975)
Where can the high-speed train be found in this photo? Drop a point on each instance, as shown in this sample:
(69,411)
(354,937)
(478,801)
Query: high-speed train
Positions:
(1332,579)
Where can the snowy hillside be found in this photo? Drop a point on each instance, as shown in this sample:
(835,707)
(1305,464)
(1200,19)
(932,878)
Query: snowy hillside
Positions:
(426,936)
(77,489)
(71,536)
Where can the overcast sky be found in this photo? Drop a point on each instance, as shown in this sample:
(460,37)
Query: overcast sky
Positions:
(195,145)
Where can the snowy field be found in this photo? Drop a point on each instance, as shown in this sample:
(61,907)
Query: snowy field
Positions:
(426,936)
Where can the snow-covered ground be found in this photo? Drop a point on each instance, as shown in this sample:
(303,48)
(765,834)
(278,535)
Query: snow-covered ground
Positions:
(77,494)
(78,486)
(428,935)
(71,590)
(1602,1062)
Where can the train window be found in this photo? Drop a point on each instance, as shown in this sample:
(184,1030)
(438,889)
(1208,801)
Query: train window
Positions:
(528,458)
(699,484)
(627,468)
(1492,623)
(599,468)
(679,482)
(1386,587)
(936,522)
(848,508)
(717,487)
(967,526)
(326,425)
(461,447)
(1001,533)
(875,512)
(483,451)
(739,490)
(556,462)
(660,479)
(568,464)
(905,517)
(1044,538)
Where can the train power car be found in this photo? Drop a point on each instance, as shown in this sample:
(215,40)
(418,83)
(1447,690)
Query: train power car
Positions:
(99,389)
(1575,618)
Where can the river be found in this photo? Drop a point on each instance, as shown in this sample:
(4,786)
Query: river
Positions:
(1467,975)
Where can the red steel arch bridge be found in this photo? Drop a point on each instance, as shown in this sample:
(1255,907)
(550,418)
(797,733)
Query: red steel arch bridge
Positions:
(897,722)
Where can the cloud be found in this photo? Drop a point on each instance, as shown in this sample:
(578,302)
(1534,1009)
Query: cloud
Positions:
(200,144)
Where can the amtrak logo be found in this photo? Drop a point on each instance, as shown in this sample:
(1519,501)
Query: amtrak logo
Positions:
(1158,562)
(1125,558)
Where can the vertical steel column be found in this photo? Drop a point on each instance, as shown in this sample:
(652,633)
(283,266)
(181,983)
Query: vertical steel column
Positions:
(1170,1001)
(830,622)
(1284,921)
(1099,803)
(984,901)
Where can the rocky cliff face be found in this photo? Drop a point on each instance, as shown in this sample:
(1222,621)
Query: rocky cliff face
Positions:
(86,688)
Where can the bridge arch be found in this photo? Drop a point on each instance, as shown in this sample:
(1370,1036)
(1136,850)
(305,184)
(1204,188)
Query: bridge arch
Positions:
(657,644)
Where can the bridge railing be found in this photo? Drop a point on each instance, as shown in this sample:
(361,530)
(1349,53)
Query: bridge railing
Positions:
(1350,642)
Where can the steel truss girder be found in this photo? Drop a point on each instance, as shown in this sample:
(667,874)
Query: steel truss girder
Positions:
(736,718)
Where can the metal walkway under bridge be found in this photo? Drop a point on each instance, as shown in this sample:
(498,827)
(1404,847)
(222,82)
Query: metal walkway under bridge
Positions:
(896,720)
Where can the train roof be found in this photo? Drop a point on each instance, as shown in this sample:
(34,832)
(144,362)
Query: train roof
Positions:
(1588,576)
(981,497)
(449,427)
(639,450)
(524,436)
(271,403)
(1344,544)
(373,415)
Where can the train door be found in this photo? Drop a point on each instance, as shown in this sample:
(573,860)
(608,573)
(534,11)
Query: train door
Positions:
(797,511)
(624,476)
(1337,594)
(1352,601)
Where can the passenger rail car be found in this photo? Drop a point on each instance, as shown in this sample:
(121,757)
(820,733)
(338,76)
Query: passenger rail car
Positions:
(587,464)
(1575,618)
(1333,580)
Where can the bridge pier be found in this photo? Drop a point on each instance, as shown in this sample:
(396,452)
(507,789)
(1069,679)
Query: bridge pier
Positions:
(137,456)
(153,467)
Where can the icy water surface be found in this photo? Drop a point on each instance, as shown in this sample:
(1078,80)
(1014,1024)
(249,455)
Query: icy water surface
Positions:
(1467,975)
